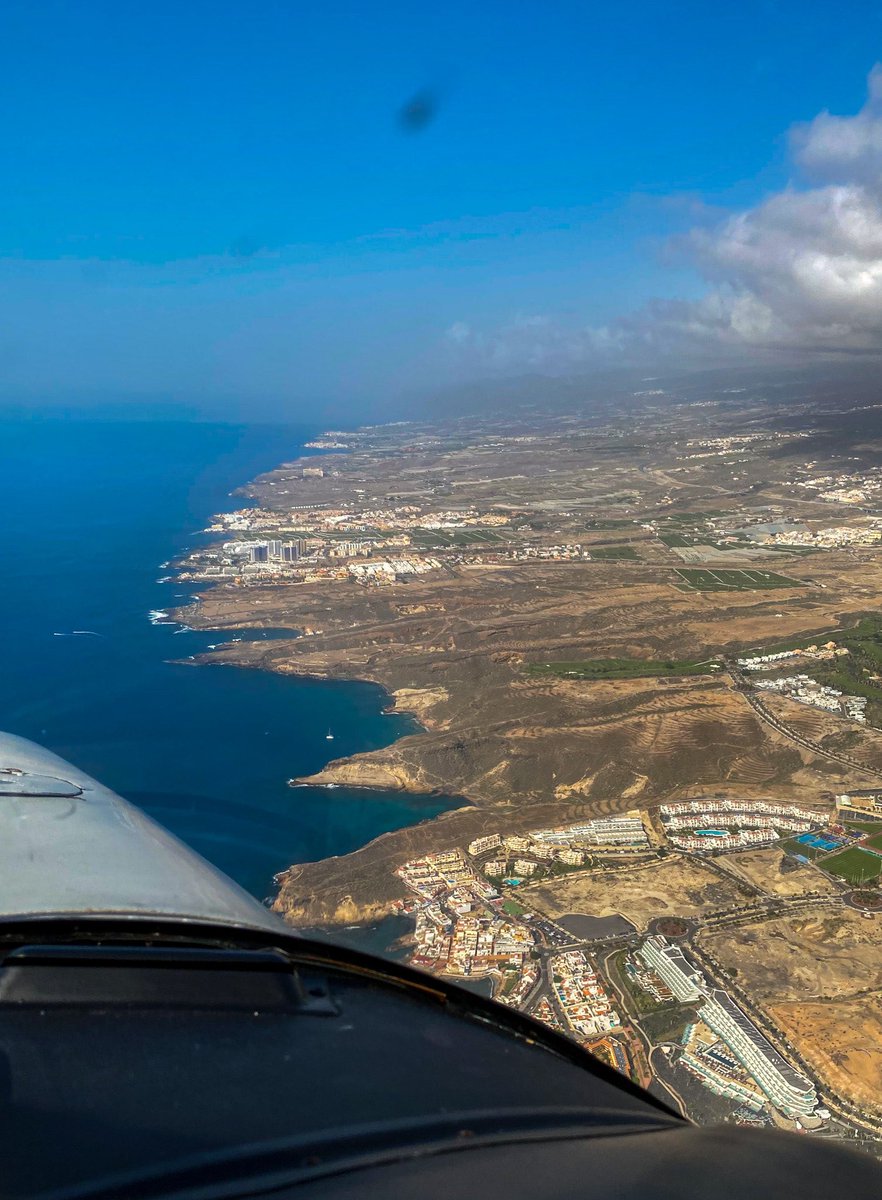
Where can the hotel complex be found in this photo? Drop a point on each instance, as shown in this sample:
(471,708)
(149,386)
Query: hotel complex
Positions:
(788,1091)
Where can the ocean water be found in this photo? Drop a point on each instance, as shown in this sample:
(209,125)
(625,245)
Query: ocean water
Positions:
(89,512)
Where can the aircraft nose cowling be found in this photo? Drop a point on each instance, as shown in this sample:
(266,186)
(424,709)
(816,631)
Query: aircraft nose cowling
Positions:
(70,846)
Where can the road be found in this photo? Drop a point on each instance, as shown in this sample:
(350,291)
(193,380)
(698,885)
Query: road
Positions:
(764,907)
(551,939)
(744,686)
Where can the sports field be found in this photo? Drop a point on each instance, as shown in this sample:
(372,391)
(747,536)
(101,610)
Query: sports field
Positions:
(853,865)
(702,579)
(864,826)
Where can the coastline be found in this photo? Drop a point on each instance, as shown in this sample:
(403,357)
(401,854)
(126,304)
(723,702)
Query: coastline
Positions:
(450,637)
(354,773)
(207,755)
(551,669)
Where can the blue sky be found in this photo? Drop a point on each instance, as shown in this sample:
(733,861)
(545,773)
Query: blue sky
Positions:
(216,203)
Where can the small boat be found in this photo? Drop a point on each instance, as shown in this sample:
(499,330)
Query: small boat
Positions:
(329,737)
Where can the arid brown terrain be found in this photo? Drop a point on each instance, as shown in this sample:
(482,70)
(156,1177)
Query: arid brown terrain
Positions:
(819,978)
(569,607)
(453,652)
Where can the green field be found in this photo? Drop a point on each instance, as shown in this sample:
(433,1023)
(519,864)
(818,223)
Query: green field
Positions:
(616,552)
(792,846)
(607,523)
(853,865)
(863,826)
(702,579)
(444,538)
(875,841)
(513,908)
(622,668)
(676,539)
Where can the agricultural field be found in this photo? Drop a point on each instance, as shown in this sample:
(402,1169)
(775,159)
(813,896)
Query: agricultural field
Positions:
(427,539)
(621,668)
(604,524)
(613,552)
(793,551)
(853,865)
(676,539)
(696,518)
(721,580)
(707,556)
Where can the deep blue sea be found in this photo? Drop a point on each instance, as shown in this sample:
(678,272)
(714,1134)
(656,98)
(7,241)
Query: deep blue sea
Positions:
(90,509)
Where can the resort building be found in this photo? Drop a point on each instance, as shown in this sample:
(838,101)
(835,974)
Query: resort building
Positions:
(672,966)
(789,1091)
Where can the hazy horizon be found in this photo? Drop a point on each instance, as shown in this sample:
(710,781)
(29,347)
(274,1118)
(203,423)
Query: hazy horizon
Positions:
(281,214)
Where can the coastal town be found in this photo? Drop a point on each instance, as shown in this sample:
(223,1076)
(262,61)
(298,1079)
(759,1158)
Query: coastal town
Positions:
(646,655)
(597,979)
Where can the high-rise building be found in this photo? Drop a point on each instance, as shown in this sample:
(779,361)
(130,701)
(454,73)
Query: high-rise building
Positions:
(260,552)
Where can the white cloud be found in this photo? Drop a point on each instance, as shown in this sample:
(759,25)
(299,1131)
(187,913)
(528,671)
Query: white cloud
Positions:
(801,271)
(848,148)
(533,342)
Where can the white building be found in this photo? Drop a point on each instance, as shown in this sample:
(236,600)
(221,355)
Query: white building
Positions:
(489,842)
(789,1091)
(793,1094)
(672,966)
